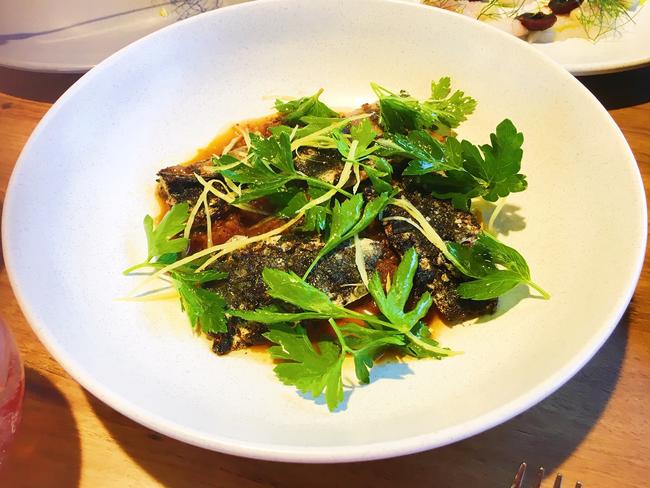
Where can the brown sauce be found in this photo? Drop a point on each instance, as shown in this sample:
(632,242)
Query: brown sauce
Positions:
(217,145)
(234,224)
(238,222)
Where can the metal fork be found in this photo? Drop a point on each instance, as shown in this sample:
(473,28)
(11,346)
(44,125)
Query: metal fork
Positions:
(519,479)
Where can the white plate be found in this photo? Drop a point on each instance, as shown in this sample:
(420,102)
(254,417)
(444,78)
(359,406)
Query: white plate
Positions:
(74,208)
(628,48)
(75,35)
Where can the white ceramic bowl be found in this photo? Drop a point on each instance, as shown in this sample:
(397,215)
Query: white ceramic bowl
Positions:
(73,213)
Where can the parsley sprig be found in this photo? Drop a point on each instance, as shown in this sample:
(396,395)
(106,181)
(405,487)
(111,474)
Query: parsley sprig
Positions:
(400,112)
(497,268)
(270,169)
(312,372)
(348,220)
(425,154)
(294,110)
(459,170)
(205,309)
(161,239)
(359,144)
(304,367)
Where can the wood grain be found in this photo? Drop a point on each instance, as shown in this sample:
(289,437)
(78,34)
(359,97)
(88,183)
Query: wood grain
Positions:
(595,428)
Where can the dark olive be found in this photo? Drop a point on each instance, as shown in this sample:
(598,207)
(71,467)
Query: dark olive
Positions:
(563,6)
(538,21)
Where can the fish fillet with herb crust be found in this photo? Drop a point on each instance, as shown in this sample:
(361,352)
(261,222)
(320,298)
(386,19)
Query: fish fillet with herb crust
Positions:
(336,274)
(435,273)
(178,184)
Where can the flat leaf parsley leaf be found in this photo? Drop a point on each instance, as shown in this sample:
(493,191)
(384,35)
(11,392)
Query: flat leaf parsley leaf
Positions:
(161,239)
(293,110)
(499,167)
(310,371)
(348,221)
(270,169)
(452,109)
(290,288)
(365,344)
(392,303)
(205,309)
(400,112)
(466,171)
(425,153)
(364,135)
(497,268)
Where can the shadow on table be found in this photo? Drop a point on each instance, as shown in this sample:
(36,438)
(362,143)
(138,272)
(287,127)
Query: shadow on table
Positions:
(544,435)
(46,451)
(619,90)
(40,87)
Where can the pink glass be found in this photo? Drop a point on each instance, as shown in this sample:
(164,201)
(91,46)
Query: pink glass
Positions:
(12,387)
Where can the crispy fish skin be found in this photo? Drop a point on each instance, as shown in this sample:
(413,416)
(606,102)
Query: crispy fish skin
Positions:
(178,184)
(435,273)
(323,164)
(244,289)
(337,273)
(327,164)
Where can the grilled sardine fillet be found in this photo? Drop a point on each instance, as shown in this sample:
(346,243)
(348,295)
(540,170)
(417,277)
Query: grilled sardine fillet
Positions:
(435,273)
(336,274)
(178,184)
(323,164)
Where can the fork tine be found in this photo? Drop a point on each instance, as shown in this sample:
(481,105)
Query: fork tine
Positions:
(540,477)
(519,477)
(518,482)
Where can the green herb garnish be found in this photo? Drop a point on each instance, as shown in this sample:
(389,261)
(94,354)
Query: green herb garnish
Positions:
(460,171)
(395,327)
(496,268)
(413,139)
(294,110)
(205,309)
(162,239)
(400,112)
(303,367)
(270,170)
(348,220)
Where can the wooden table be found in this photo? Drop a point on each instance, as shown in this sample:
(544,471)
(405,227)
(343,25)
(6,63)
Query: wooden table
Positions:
(596,428)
